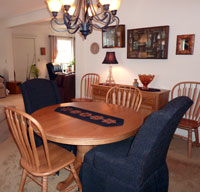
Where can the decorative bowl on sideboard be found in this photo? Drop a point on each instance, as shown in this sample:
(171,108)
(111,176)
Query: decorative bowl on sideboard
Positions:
(145,80)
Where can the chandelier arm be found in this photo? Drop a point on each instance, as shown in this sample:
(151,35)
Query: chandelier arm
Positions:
(94,13)
(68,22)
(77,11)
(115,19)
(55,21)
(76,29)
(107,15)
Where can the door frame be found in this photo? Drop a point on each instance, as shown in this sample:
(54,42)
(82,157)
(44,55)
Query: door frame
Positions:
(16,36)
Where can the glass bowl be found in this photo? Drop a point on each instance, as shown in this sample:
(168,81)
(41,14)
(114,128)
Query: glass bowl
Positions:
(145,80)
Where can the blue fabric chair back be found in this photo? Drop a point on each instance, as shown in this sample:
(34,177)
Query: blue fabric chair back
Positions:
(151,144)
(39,93)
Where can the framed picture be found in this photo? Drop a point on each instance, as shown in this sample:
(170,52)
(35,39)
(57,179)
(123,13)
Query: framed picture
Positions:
(148,43)
(185,44)
(113,37)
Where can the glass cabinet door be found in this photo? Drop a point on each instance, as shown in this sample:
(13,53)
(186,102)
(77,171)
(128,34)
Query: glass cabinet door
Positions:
(113,37)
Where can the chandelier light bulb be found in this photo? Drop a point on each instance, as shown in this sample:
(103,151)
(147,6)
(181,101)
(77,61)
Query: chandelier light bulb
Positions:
(68,2)
(72,9)
(105,2)
(114,5)
(54,5)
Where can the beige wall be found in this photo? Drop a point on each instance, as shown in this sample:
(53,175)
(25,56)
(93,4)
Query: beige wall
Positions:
(181,16)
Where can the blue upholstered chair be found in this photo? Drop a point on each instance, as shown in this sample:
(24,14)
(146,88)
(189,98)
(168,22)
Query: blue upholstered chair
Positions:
(39,93)
(52,70)
(137,164)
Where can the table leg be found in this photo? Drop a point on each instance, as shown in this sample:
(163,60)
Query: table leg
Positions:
(81,151)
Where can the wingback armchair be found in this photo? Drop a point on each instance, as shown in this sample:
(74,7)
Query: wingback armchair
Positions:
(137,164)
(52,70)
(39,93)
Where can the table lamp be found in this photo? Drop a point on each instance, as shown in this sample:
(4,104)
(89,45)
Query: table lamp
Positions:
(110,59)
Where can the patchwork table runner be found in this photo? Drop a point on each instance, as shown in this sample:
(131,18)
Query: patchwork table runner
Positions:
(91,116)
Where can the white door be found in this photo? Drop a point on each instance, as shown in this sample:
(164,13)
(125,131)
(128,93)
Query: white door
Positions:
(24,57)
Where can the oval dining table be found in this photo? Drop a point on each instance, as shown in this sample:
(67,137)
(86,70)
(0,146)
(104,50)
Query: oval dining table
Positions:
(65,129)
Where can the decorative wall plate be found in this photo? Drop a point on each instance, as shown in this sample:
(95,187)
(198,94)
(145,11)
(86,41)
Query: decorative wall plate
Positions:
(94,48)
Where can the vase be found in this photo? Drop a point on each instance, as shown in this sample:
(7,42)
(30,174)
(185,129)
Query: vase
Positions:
(145,80)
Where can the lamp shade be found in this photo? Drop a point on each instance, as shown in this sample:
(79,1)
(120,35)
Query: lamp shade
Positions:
(110,58)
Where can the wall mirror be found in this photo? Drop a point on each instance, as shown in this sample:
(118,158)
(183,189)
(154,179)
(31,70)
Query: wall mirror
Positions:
(185,44)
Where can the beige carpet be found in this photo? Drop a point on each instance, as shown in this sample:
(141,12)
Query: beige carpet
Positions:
(184,172)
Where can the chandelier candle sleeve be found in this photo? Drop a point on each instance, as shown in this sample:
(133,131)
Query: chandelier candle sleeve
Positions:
(84,15)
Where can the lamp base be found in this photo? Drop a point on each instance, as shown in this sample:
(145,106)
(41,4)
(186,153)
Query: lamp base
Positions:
(110,80)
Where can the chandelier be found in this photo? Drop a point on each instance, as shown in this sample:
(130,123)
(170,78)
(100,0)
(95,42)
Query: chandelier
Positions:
(84,15)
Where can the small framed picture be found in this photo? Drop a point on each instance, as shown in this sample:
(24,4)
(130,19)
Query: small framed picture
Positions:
(185,44)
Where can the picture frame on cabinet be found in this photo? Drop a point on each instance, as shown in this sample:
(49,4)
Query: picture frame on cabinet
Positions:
(148,43)
(185,44)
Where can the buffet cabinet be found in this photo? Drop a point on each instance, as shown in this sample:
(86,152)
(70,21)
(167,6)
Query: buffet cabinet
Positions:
(152,99)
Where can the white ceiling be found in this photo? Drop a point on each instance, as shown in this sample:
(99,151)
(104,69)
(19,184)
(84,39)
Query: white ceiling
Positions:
(12,8)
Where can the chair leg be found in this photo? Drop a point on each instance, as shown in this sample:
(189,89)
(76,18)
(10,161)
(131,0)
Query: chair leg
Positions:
(23,179)
(44,184)
(197,137)
(189,143)
(76,176)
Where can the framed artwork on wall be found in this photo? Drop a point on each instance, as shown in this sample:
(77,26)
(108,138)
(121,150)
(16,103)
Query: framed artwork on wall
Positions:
(42,51)
(185,44)
(113,37)
(148,43)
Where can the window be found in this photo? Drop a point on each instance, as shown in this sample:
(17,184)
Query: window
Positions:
(65,48)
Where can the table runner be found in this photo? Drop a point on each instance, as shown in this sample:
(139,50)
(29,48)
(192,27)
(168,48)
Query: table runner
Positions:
(91,116)
(149,89)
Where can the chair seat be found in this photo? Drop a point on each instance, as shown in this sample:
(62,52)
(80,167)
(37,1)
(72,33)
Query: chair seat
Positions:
(82,100)
(58,157)
(188,124)
(116,150)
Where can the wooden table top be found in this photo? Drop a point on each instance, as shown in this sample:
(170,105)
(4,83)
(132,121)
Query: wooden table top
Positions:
(69,130)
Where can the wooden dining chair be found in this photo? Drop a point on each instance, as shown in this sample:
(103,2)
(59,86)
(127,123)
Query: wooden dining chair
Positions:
(38,161)
(130,97)
(191,120)
(86,89)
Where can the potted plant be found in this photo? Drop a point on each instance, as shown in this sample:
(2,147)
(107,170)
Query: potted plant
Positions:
(34,71)
(70,67)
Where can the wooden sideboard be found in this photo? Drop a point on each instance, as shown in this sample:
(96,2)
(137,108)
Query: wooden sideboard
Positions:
(13,87)
(151,101)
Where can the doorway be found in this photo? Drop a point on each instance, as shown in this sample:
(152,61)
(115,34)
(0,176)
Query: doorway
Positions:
(24,57)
